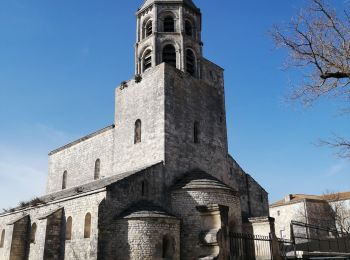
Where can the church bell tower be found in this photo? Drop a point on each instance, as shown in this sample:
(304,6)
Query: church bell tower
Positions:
(173,110)
(169,31)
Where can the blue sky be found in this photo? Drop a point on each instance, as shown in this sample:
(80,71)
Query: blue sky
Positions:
(60,62)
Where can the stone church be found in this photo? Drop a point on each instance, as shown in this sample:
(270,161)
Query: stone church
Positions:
(157,184)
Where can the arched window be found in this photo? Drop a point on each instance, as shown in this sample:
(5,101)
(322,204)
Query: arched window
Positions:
(97,169)
(2,239)
(137,134)
(188,28)
(190,62)
(69,228)
(147,60)
(148,29)
(169,24)
(196,133)
(64,180)
(144,188)
(169,55)
(87,226)
(168,249)
(33,233)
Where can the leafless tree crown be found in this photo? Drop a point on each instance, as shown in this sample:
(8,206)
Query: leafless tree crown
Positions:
(318,42)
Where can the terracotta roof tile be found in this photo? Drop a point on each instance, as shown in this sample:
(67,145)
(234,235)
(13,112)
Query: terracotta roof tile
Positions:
(294,198)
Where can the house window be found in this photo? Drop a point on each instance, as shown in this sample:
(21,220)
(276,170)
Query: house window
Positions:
(190,62)
(169,24)
(196,132)
(64,180)
(169,55)
(33,233)
(69,228)
(168,248)
(188,28)
(147,60)
(87,226)
(2,239)
(137,134)
(148,29)
(97,169)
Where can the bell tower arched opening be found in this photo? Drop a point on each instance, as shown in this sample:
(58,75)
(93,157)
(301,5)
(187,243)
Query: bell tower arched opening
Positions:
(162,22)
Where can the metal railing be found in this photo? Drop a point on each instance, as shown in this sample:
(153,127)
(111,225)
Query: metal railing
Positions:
(312,238)
(247,246)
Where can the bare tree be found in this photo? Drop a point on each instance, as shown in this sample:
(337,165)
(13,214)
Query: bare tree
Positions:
(340,212)
(329,211)
(316,212)
(318,41)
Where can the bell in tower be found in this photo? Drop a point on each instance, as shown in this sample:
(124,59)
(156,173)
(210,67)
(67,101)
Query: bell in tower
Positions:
(170,32)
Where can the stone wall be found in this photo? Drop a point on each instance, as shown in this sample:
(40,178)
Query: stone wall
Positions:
(189,100)
(253,197)
(212,74)
(168,102)
(47,222)
(144,101)
(143,239)
(79,158)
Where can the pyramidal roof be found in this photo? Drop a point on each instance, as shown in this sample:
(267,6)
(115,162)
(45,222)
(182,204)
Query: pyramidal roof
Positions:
(186,2)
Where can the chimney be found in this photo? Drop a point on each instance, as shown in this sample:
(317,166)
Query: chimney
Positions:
(288,198)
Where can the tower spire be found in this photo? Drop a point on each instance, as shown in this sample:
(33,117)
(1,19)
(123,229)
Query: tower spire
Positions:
(169,31)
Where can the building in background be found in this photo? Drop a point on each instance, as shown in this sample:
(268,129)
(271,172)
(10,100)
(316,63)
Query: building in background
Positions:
(330,211)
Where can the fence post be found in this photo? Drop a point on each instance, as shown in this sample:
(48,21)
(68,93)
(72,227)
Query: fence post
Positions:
(345,243)
(293,239)
(337,242)
(308,237)
(271,246)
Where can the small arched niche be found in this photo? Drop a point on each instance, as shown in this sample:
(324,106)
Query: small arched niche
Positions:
(69,224)
(137,131)
(87,226)
(196,132)
(33,233)
(97,169)
(2,238)
(64,180)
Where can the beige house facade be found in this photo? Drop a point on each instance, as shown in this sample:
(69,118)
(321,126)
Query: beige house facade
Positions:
(327,211)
